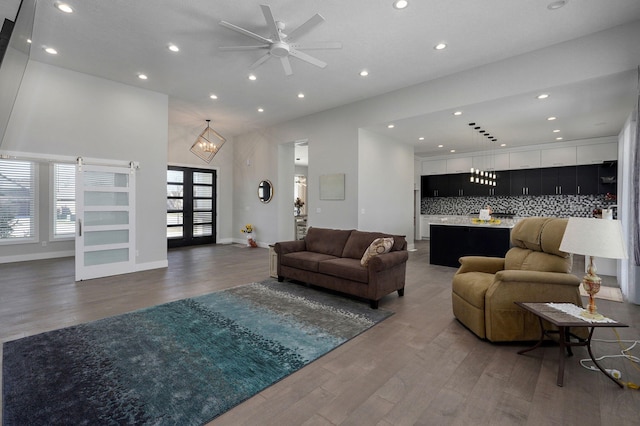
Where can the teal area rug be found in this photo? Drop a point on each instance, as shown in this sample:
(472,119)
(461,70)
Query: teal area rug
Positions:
(181,363)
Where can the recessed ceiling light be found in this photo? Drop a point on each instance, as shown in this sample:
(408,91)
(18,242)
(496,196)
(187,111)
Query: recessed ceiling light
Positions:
(556,131)
(457,113)
(29,41)
(252,77)
(260,109)
(440,146)
(51,50)
(63,7)
(172,47)
(559,138)
(213,96)
(503,144)
(391,126)
(421,138)
(301,95)
(543,96)
(440,46)
(364,73)
(453,150)
(142,76)
(400,4)
(554,5)
(551,118)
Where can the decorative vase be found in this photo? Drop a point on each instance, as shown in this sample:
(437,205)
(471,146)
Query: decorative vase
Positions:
(250,241)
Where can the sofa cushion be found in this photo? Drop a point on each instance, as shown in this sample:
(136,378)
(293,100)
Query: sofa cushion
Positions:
(346,268)
(305,260)
(529,260)
(378,246)
(526,233)
(551,237)
(327,241)
(359,241)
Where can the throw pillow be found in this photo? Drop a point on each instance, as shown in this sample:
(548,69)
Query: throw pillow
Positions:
(378,246)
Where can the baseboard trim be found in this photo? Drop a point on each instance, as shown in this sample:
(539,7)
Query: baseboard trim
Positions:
(37,256)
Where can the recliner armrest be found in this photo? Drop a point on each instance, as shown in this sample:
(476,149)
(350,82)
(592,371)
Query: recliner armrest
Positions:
(387,260)
(285,247)
(557,278)
(489,265)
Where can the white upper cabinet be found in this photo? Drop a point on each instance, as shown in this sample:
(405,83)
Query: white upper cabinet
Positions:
(524,159)
(557,157)
(434,167)
(596,154)
(491,162)
(459,165)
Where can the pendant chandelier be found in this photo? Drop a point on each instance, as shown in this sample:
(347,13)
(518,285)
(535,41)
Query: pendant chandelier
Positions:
(482,176)
(208,143)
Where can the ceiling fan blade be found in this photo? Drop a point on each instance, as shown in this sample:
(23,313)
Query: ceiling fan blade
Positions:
(245,32)
(260,61)
(262,46)
(271,22)
(307,58)
(306,27)
(317,45)
(286,65)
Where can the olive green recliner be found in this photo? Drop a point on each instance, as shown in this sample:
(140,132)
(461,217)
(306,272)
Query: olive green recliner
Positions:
(533,270)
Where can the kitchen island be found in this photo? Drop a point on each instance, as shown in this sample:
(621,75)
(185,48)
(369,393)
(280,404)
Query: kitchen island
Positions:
(450,241)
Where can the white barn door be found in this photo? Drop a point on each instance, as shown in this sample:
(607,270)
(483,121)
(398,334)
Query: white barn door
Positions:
(105,225)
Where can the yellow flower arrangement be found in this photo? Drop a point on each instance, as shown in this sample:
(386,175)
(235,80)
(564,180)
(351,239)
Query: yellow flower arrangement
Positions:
(490,222)
(248,228)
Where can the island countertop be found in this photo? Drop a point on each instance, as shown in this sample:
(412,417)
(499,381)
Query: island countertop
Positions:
(468,221)
(477,225)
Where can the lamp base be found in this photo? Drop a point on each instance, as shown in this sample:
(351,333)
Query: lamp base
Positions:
(593,316)
(591,284)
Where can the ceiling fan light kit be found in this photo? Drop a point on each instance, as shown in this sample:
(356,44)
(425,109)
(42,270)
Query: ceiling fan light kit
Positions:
(280,45)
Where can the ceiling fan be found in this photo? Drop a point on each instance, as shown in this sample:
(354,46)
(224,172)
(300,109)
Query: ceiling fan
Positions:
(282,45)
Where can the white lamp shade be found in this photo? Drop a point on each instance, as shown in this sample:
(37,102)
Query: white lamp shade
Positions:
(594,237)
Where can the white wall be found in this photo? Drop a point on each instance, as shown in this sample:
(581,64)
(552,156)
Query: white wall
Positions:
(385,185)
(68,114)
(180,140)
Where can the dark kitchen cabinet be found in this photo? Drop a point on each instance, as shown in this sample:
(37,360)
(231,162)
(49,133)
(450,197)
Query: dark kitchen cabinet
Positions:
(525,182)
(435,186)
(502,187)
(459,185)
(587,179)
(607,177)
(558,181)
(448,243)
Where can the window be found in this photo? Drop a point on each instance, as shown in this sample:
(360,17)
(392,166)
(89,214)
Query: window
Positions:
(17,200)
(64,200)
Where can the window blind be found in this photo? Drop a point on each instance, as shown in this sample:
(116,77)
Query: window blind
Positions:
(17,200)
(64,200)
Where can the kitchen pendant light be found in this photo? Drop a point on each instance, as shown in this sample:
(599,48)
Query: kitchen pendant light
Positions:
(481,174)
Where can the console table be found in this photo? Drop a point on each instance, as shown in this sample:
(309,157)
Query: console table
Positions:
(564,322)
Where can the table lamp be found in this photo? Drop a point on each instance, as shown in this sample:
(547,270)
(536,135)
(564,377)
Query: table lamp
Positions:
(593,238)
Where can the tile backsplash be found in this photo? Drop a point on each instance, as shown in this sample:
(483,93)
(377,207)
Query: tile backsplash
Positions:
(543,205)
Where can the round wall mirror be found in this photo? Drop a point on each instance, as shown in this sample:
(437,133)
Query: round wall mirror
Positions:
(265,191)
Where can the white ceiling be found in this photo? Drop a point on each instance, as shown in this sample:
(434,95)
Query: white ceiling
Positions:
(119,39)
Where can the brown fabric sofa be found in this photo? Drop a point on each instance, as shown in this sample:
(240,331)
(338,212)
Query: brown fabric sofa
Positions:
(484,289)
(330,258)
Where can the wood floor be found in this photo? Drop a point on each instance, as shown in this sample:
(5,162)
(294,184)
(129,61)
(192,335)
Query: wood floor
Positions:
(420,366)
